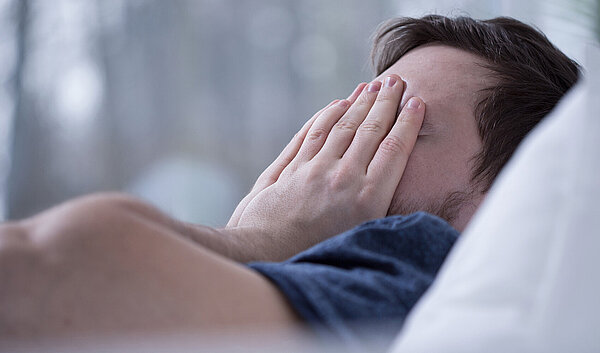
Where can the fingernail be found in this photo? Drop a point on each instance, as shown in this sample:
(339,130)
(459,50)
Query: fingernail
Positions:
(373,87)
(414,103)
(390,81)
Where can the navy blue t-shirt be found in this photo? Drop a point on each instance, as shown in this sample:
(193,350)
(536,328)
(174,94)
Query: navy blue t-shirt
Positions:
(372,274)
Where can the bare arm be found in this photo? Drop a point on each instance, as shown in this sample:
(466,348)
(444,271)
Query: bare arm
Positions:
(110,263)
(99,265)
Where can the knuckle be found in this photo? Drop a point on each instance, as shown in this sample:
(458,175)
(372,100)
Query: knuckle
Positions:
(394,145)
(407,118)
(312,174)
(372,127)
(363,200)
(346,125)
(364,99)
(339,179)
(383,97)
(317,134)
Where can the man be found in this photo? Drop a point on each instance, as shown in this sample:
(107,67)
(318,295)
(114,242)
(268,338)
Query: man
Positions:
(467,92)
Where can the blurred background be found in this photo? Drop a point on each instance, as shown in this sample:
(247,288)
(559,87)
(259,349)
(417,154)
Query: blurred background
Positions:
(185,102)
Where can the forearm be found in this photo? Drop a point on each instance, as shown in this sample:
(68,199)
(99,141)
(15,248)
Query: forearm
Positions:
(241,244)
(238,244)
(254,244)
(111,250)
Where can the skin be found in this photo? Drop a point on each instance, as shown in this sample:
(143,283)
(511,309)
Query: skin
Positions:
(109,263)
(442,159)
(448,80)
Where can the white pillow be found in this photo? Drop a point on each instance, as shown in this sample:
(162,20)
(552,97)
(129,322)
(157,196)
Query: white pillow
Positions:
(524,275)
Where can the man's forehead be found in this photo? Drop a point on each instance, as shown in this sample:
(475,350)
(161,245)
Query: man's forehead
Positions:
(435,55)
(441,73)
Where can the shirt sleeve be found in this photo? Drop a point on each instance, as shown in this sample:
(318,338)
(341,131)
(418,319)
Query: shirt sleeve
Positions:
(372,274)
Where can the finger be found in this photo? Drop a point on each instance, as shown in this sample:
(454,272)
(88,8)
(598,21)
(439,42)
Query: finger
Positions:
(288,154)
(389,162)
(273,171)
(343,132)
(317,134)
(377,124)
(352,98)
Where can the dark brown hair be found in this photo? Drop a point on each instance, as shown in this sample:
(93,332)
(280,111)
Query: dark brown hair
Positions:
(531,75)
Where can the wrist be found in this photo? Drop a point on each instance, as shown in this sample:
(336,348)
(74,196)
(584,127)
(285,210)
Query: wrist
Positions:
(246,244)
(255,243)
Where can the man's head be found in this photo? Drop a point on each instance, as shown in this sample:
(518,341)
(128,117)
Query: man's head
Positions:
(486,84)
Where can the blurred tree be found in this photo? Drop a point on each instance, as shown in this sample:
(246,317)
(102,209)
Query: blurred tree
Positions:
(22,129)
(109,91)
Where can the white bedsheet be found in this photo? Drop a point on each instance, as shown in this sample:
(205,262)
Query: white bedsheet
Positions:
(524,275)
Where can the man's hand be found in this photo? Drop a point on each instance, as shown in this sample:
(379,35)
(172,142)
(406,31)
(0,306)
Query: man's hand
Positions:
(340,170)
(270,175)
